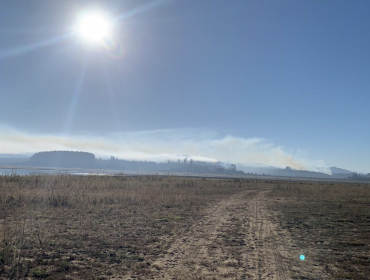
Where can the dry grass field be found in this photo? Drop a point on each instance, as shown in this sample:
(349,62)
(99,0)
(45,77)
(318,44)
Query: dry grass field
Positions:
(329,221)
(100,227)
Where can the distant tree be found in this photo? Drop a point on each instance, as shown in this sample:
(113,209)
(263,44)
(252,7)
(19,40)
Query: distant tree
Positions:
(358,176)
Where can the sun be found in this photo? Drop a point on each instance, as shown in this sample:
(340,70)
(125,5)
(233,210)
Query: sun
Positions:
(93,26)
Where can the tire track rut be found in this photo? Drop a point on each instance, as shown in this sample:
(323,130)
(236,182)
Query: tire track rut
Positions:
(236,239)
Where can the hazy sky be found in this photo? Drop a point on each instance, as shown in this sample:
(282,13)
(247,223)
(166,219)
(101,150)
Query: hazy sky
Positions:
(292,74)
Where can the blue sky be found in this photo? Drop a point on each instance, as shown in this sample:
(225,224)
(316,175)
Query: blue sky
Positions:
(293,73)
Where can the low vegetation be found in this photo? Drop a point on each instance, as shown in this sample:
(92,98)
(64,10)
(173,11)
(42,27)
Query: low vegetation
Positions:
(95,227)
(116,227)
(330,221)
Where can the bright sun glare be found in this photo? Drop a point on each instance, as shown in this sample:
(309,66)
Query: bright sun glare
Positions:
(93,26)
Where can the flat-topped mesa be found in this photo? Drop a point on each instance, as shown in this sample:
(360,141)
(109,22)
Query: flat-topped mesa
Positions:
(66,159)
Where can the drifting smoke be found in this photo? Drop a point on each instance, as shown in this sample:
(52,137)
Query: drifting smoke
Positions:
(161,145)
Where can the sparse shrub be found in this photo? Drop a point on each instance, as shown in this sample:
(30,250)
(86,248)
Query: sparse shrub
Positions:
(40,273)
(45,217)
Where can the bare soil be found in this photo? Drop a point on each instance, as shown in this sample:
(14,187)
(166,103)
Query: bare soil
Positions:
(330,224)
(238,238)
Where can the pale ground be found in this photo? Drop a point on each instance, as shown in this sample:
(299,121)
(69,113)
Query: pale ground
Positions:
(238,238)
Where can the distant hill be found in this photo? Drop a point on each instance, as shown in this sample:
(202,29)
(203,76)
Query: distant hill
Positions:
(66,159)
(336,170)
(290,172)
(337,173)
(69,159)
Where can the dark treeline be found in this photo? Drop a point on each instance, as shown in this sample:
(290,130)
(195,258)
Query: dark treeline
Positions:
(63,159)
(290,172)
(360,177)
(68,159)
(184,166)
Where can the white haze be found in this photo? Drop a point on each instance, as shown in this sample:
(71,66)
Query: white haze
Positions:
(163,145)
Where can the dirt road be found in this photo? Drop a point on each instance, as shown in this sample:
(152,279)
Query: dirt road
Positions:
(237,239)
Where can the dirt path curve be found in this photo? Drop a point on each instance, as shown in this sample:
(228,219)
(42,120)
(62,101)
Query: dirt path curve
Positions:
(237,239)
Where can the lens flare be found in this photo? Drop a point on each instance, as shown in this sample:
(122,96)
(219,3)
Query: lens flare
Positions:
(113,47)
(302,257)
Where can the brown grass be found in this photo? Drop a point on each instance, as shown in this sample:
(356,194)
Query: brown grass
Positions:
(95,227)
(106,227)
(330,220)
